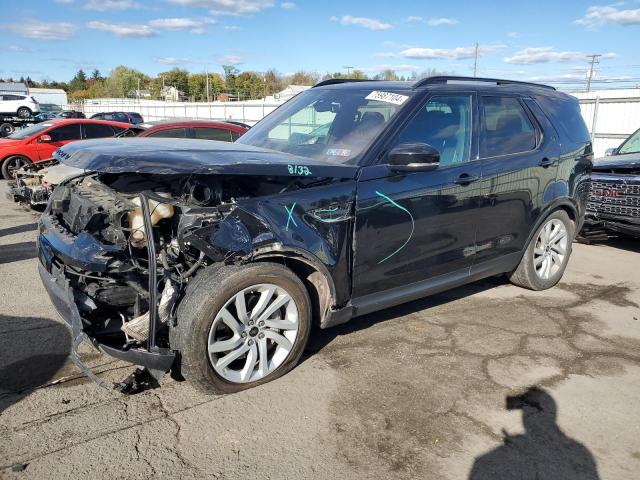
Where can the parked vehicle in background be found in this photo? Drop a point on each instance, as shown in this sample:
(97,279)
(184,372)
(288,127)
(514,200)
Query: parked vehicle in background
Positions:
(215,259)
(70,114)
(614,194)
(34,183)
(23,106)
(38,142)
(197,129)
(50,108)
(127,117)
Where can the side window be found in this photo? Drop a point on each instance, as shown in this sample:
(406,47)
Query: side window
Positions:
(97,130)
(66,132)
(444,122)
(506,128)
(170,133)
(566,117)
(212,134)
(235,136)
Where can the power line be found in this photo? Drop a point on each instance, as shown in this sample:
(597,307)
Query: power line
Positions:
(594,61)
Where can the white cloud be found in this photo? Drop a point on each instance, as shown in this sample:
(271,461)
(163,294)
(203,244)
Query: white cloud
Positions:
(64,2)
(231,60)
(370,23)
(18,49)
(232,28)
(44,30)
(513,34)
(107,5)
(384,55)
(437,22)
(123,29)
(175,61)
(414,18)
(530,56)
(193,25)
(597,16)
(458,53)
(288,5)
(228,7)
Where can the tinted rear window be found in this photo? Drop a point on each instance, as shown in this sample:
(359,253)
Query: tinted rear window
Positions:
(566,117)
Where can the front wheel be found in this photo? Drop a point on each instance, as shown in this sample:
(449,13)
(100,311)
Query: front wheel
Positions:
(241,326)
(12,164)
(547,254)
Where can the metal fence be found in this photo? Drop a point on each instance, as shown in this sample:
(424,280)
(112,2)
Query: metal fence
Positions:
(610,119)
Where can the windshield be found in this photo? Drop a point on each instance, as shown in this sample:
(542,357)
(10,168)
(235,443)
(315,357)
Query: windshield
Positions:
(32,130)
(631,145)
(334,125)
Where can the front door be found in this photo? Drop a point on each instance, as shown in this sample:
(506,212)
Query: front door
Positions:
(59,136)
(412,227)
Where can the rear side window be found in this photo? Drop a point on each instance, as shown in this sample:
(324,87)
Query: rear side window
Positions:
(235,135)
(566,117)
(212,134)
(170,133)
(66,132)
(97,130)
(506,128)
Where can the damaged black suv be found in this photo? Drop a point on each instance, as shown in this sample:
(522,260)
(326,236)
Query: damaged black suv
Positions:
(216,259)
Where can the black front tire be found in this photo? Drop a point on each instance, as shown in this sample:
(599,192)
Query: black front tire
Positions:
(206,296)
(525,274)
(6,129)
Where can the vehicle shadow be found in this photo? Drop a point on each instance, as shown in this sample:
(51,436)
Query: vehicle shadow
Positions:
(17,252)
(27,227)
(33,350)
(319,338)
(543,451)
(623,243)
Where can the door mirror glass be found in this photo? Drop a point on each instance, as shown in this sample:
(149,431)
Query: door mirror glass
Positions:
(44,138)
(414,157)
(609,151)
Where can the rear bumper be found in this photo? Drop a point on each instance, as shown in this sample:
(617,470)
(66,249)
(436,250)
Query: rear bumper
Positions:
(61,295)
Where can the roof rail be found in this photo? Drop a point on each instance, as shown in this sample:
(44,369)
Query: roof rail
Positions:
(454,79)
(335,81)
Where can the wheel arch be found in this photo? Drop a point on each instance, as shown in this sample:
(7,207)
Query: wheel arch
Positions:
(314,275)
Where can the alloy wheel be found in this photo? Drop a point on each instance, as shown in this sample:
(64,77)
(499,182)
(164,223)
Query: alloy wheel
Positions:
(253,334)
(550,250)
(13,165)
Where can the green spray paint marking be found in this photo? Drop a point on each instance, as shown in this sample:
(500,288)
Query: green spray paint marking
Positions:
(413,225)
(290,216)
(301,170)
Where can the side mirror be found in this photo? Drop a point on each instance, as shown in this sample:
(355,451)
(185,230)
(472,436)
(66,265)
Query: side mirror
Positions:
(610,151)
(414,157)
(44,138)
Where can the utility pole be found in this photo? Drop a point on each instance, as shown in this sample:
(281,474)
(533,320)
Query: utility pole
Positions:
(207,76)
(475,60)
(348,69)
(594,61)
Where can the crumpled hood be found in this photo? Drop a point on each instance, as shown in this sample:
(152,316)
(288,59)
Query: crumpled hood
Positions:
(629,161)
(175,156)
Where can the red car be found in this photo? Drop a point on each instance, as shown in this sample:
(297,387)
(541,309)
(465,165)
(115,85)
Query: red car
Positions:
(39,141)
(200,129)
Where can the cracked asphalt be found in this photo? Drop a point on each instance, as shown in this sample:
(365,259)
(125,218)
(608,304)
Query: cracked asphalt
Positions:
(418,391)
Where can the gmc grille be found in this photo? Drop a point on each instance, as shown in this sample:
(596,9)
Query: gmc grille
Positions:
(614,197)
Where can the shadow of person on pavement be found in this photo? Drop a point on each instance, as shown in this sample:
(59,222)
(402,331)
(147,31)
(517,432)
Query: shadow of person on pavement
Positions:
(542,452)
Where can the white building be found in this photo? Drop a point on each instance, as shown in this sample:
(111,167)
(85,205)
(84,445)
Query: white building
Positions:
(55,96)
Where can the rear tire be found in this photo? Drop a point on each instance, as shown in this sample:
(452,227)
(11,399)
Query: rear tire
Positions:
(24,112)
(12,164)
(6,129)
(547,254)
(211,328)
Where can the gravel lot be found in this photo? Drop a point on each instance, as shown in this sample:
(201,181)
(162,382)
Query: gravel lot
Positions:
(413,392)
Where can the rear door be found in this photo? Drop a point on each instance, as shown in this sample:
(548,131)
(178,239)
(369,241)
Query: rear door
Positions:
(59,136)
(420,226)
(519,155)
(97,130)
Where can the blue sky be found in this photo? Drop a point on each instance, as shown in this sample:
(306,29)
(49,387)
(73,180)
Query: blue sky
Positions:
(542,40)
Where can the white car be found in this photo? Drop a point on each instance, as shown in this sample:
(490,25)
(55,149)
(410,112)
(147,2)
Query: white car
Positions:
(18,104)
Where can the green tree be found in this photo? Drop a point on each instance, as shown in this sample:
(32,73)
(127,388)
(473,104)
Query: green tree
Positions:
(177,77)
(123,80)
(304,78)
(79,82)
(230,75)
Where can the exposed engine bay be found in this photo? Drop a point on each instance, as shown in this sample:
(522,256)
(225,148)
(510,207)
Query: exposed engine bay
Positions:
(104,214)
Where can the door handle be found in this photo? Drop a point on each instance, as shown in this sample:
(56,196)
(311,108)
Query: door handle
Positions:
(466,179)
(545,162)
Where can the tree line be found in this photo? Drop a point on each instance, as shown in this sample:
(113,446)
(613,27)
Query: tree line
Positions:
(125,82)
